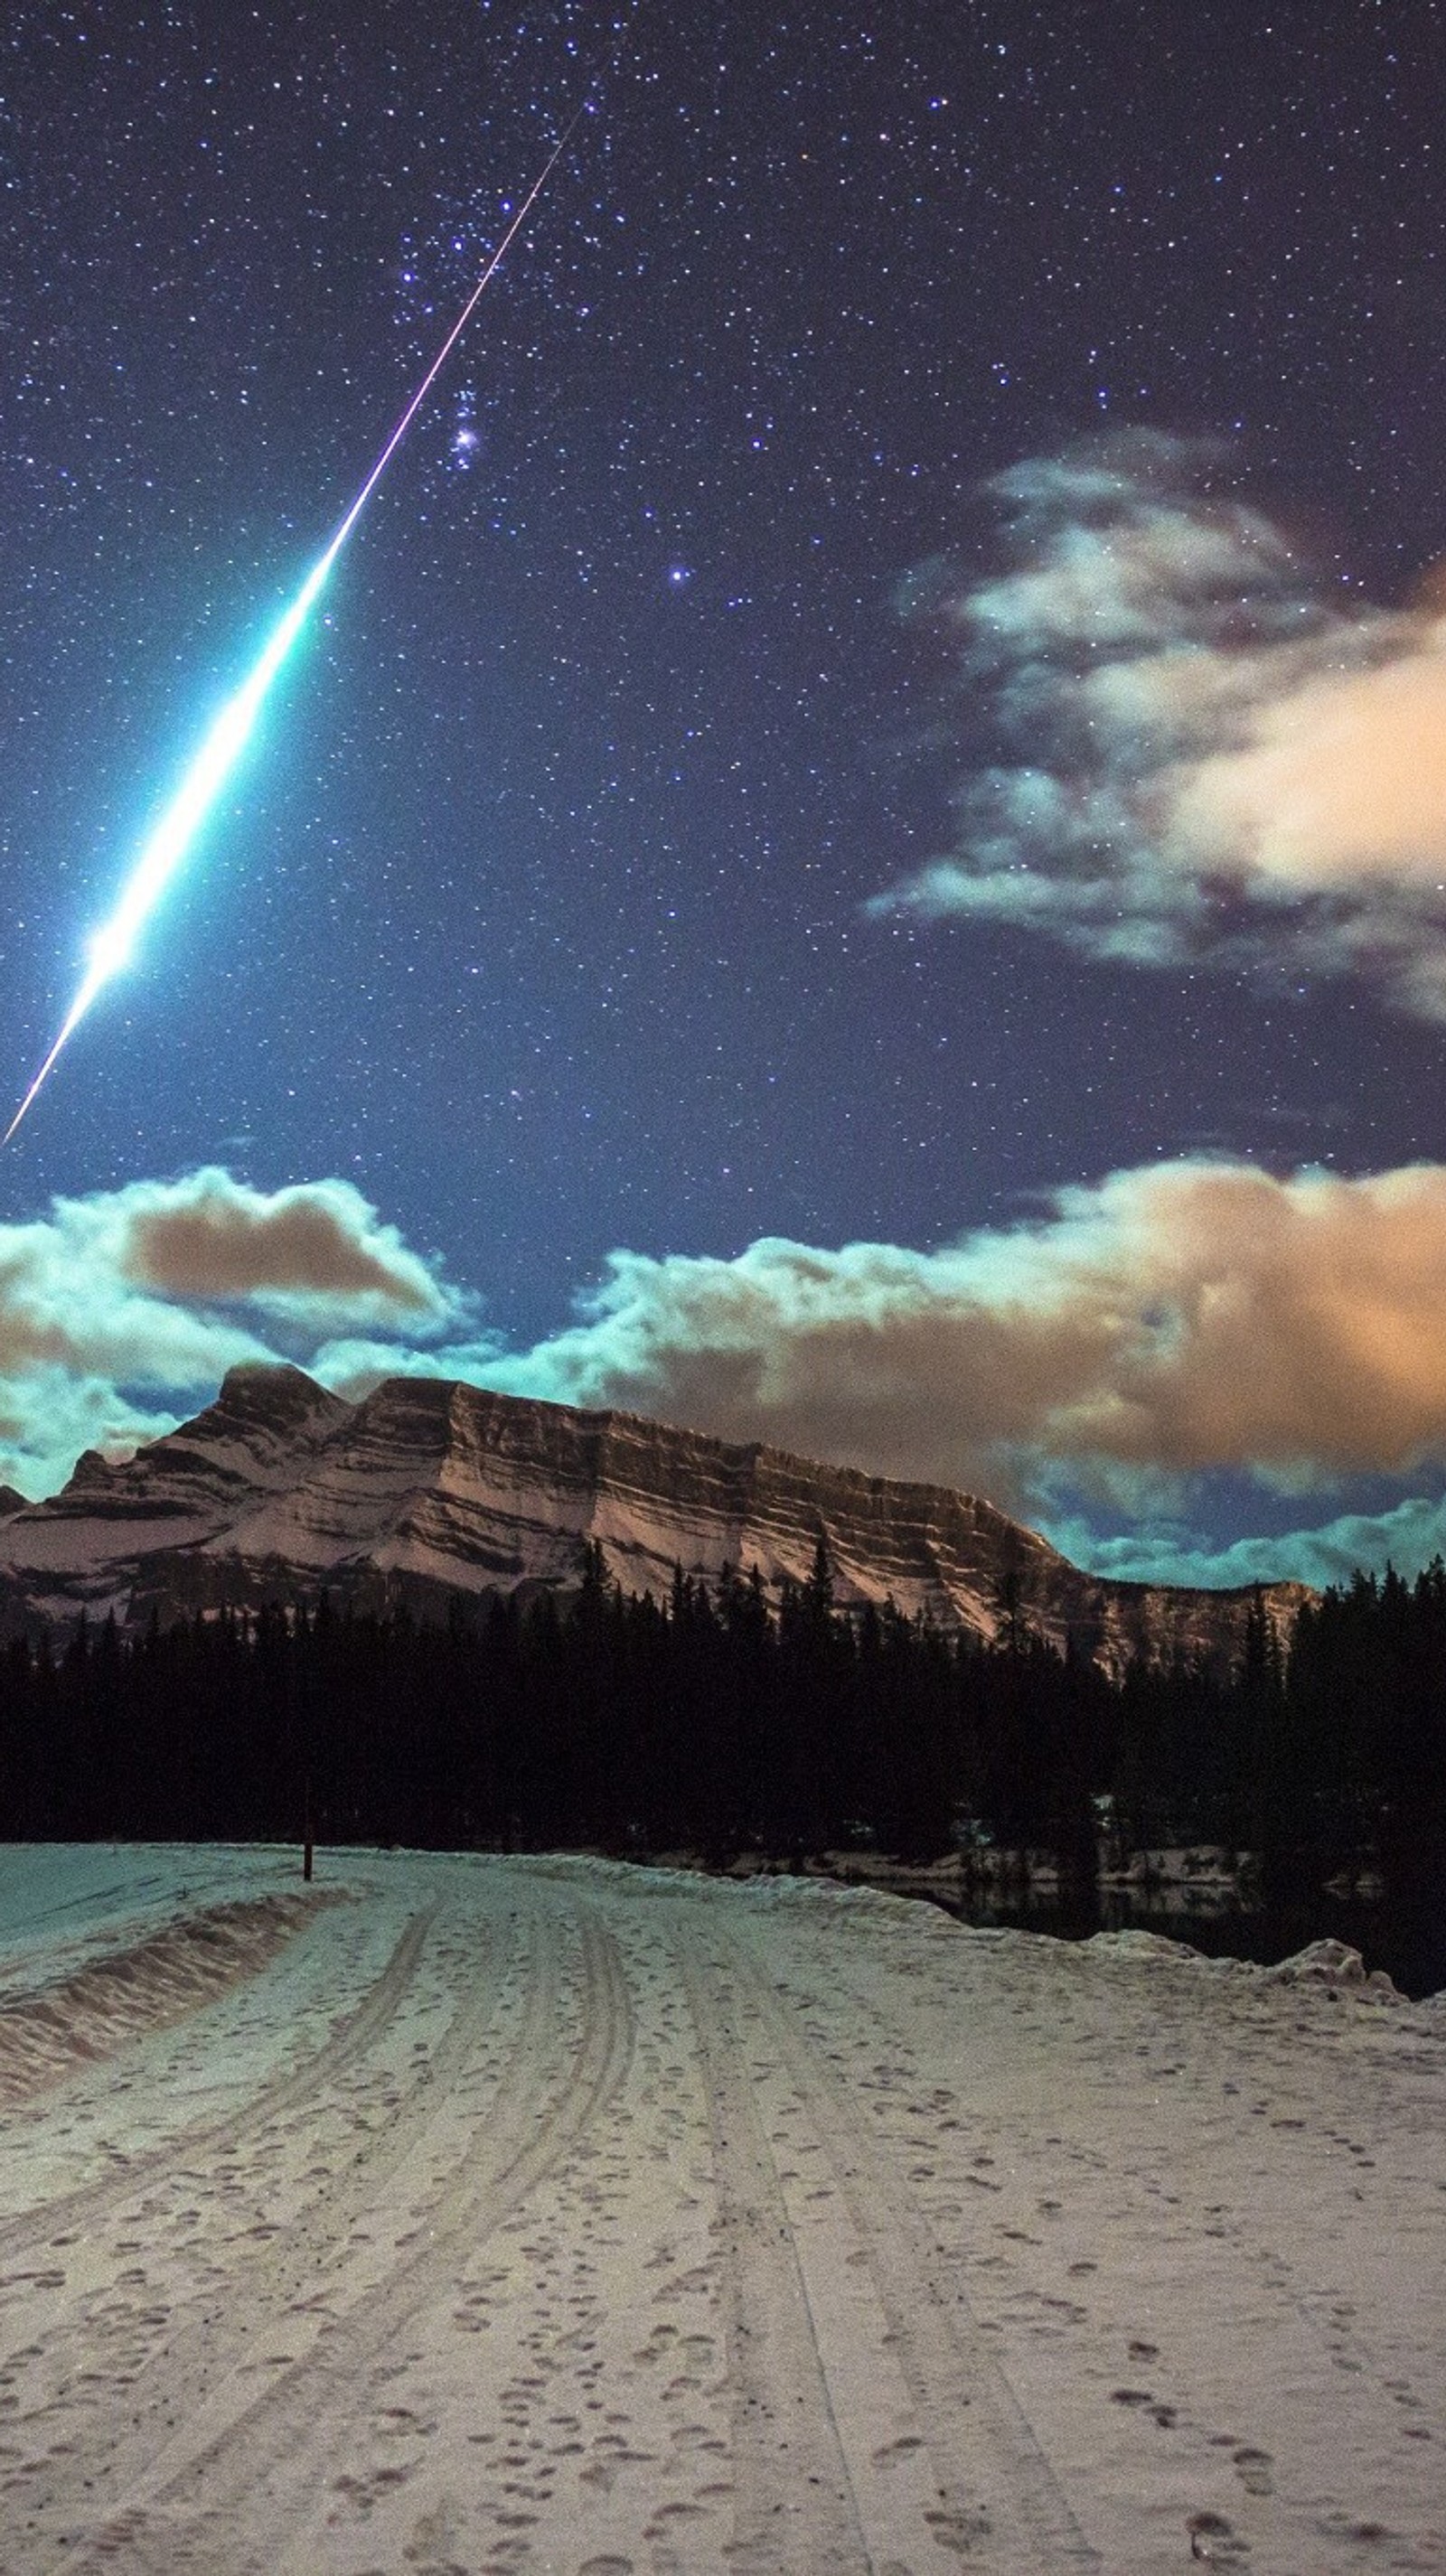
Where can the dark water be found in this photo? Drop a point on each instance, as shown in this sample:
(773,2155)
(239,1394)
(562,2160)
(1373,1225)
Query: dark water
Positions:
(1412,1952)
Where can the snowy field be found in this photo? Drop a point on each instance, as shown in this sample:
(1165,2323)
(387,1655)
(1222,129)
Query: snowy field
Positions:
(489,2215)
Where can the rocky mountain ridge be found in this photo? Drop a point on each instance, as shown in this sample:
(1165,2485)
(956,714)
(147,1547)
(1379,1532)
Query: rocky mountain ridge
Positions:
(428,1488)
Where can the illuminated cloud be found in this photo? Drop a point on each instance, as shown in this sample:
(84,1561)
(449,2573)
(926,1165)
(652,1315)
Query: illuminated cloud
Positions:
(120,1312)
(209,1236)
(1136,1349)
(1175,1320)
(1205,757)
(1172,1330)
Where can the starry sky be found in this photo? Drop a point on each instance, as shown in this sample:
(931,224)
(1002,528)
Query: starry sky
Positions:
(855,852)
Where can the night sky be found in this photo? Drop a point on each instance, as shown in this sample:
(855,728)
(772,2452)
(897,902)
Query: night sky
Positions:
(851,853)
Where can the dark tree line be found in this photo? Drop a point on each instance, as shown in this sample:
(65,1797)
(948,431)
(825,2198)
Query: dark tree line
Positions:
(1356,1762)
(717,1722)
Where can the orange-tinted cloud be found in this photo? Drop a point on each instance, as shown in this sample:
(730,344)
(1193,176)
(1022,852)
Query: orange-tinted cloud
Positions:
(211,1237)
(1204,753)
(1180,1318)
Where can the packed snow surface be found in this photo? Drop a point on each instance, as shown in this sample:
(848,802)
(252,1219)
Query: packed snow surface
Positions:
(481,2215)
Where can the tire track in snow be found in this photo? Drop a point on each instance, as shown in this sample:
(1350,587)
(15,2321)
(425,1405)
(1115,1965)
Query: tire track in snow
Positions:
(125,2366)
(789,2467)
(979,2436)
(81,2210)
(969,2475)
(189,2509)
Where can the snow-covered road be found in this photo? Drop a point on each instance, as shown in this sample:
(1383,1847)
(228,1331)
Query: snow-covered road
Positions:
(496,2215)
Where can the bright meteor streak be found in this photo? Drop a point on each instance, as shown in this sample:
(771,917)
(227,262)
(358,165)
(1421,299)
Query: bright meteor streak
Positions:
(212,764)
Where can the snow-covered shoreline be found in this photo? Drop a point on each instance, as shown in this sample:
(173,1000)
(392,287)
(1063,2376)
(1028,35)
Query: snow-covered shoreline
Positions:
(559,2214)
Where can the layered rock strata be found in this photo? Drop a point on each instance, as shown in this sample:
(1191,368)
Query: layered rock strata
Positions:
(428,1488)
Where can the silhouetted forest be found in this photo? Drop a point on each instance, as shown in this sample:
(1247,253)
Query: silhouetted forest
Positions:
(716,1723)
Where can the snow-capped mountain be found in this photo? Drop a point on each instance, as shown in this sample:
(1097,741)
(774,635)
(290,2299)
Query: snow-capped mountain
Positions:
(427,1488)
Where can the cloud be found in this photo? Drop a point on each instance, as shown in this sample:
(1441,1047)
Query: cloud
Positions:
(1137,1350)
(1408,1536)
(1205,756)
(1174,1320)
(48,1416)
(122,1310)
(318,1242)
(1156,1347)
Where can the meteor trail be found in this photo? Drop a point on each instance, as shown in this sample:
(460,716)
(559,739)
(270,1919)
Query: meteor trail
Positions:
(211,765)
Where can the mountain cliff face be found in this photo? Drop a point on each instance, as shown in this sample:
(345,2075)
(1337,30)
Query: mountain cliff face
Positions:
(427,1489)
